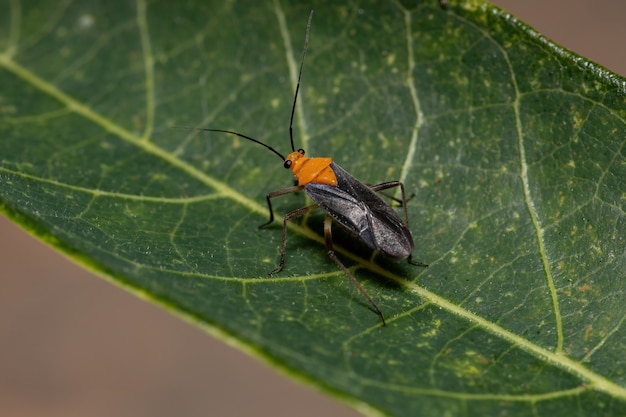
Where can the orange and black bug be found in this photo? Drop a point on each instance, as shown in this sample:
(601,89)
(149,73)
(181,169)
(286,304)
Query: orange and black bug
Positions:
(353,205)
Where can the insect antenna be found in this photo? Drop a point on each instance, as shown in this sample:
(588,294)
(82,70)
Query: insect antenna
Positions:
(233,133)
(295,97)
(293,107)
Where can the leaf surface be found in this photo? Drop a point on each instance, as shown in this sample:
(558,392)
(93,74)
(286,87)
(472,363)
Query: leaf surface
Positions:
(513,147)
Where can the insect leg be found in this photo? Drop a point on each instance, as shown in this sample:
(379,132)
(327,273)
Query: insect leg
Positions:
(389,196)
(416,263)
(283,246)
(328,238)
(273,194)
(391,184)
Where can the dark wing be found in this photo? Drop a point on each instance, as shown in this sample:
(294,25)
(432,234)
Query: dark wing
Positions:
(358,209)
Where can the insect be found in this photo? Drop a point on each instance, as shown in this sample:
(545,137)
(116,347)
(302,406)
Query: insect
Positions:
(353,205)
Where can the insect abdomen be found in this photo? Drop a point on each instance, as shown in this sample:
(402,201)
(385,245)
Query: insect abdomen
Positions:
(356,208)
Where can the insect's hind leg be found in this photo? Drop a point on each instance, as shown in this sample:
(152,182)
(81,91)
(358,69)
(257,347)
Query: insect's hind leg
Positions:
(391,184)
(328,238)
(416,263)
(283,246)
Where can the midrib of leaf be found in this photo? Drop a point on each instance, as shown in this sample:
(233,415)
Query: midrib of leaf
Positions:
(555,358)
(76,107)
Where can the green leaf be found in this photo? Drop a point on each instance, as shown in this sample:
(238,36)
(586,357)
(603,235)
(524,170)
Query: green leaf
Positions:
(513,146)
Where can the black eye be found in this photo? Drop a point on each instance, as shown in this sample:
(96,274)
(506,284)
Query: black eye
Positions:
(287,164)
(301,151)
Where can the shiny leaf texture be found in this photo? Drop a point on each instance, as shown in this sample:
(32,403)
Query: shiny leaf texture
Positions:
(513,147)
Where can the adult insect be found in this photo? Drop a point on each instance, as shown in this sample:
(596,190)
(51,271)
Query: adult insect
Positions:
(353,205)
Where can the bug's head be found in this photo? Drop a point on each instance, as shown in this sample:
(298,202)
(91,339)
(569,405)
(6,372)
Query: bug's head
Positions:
(293,159)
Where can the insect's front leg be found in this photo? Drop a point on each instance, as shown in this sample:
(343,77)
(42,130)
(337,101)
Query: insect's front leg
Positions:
(273,194)
(283,246)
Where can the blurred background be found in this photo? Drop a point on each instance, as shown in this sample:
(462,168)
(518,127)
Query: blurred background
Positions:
(108,353)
